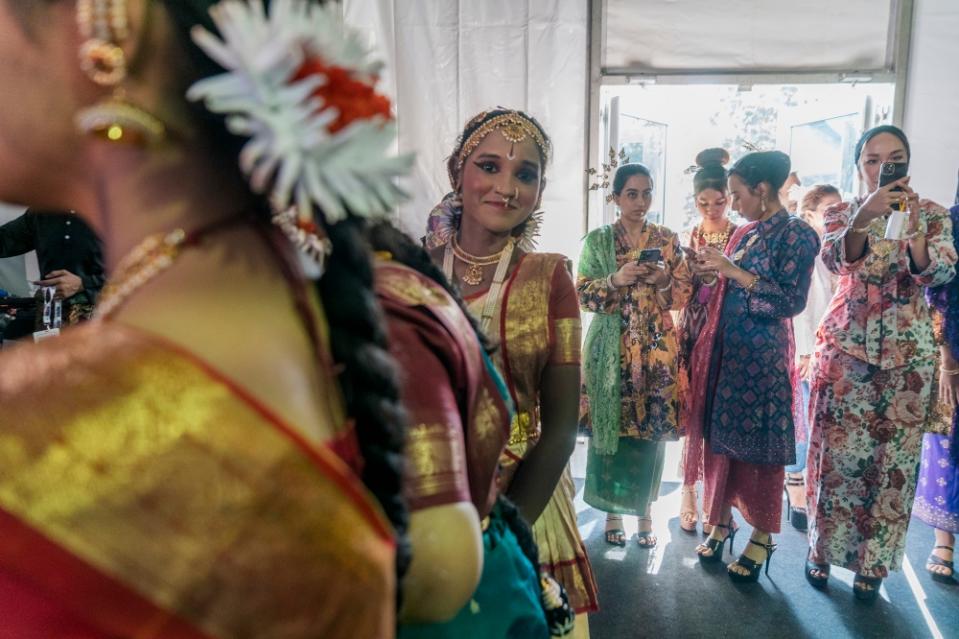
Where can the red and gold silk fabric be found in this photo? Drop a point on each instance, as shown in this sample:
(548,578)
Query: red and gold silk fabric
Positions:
(459,422)
(142,494)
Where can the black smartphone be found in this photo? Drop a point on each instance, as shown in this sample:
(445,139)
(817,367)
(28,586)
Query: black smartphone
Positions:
(650,255)
(889,172)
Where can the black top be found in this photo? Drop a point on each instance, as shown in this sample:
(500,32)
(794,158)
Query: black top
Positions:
(62,240)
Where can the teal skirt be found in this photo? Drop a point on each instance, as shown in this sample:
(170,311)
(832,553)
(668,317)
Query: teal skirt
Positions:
(626,482)
(506,604)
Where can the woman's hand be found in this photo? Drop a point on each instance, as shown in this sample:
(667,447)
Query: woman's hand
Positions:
(653,274)
(880,202)
(712,260)
(628,274)
(912,205)
(803,367)
(948,389)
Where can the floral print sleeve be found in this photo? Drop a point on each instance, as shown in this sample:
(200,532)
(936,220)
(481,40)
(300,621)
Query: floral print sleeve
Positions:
(836,221)
(942,251)
(782,291)
(678,270)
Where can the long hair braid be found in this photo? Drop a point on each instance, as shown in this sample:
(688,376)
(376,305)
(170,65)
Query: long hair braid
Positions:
(358,338)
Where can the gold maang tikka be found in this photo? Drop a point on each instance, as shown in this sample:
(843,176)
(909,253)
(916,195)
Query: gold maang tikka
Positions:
(104,25)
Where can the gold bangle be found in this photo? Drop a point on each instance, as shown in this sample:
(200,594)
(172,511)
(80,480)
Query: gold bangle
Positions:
(949,371)
(753,283)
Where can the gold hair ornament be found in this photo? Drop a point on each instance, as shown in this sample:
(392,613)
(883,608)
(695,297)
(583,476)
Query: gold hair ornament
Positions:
(104,25)
(514,126)
(602,180)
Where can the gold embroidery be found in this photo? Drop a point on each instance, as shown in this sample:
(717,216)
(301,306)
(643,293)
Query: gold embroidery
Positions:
(408,287)
(568,337)
(523,430)
(436,459)
(157,475)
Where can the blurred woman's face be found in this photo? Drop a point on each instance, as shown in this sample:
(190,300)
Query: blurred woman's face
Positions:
(43,88)
(712,204)
(815,216)
(884,147)
(501,183)
(634,199)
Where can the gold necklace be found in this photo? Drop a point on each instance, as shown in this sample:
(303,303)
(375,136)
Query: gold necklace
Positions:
(475,264)
(718,239)
(148,259)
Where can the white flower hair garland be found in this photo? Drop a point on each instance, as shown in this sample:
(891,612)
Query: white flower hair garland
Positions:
(300,86)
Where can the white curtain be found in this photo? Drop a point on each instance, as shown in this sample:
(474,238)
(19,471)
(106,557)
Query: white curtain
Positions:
(932,100)
(448,60)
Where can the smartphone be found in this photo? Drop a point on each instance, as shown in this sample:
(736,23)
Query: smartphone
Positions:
(650,255)
(891,171)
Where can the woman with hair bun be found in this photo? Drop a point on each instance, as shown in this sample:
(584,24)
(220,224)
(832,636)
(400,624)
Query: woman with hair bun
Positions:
(715,229)
(873,370)
(744,362)
(632,273)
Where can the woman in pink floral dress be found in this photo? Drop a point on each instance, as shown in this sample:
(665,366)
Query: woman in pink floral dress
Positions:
(873,371)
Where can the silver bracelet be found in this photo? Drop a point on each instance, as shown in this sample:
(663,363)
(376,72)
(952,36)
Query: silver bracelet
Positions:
(609,281)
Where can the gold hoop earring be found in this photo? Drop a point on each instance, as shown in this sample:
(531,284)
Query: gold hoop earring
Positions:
(104,26)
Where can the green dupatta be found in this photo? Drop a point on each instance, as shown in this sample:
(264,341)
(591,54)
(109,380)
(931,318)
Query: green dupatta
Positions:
(601,366)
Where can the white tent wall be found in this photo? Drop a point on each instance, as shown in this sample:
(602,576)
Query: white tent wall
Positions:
(932,99)
(448,60)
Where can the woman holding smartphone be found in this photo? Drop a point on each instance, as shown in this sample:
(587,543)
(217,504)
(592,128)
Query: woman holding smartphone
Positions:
(873,370)
(744,362)
(631,274)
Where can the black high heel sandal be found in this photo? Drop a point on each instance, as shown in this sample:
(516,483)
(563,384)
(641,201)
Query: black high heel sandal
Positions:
(716,545)
(935,560)
(752,566)
(862,593)
(797,515)
(811,567)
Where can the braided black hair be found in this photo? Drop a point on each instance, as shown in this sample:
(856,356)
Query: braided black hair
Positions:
(357,334)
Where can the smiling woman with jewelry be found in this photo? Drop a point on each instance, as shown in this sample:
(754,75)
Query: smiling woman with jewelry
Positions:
(631,274)
(482,234)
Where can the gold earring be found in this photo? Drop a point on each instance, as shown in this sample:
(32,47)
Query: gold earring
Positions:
(104,26)
(763,202)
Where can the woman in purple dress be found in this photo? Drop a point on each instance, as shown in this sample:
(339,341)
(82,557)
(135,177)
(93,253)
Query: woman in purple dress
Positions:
(937,495)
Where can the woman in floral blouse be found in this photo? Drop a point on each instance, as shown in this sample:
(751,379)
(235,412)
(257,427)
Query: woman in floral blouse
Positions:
(873,372)
(631,274)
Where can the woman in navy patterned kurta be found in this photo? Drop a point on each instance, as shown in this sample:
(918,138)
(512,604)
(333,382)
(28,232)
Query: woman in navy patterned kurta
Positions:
(745,357)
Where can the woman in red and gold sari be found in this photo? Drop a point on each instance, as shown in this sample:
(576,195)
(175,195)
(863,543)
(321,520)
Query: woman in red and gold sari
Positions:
(481,234)
(214,456)
(459,413)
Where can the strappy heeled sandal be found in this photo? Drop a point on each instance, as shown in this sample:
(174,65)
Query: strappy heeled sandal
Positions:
(646,538)
(797,514)
(716,546)
(866,588)
(935,560)
(754,567)
(688,516)
(615,536)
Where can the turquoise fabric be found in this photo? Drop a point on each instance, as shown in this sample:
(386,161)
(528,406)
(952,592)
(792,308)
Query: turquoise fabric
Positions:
(601,352)
(506,604)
